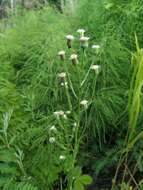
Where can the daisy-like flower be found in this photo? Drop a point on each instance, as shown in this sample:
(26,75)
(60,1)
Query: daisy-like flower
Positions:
(69,38)
(95,68)
(74,59)
(84,41)
(81,32)
(52,140)
(62,55)
(84,103)
(62,157)
(53,129)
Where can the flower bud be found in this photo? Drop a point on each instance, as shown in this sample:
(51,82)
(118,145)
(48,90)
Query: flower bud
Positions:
(62,157)
(84,103)
(62,55)
(96,48)
(81,32)
(74,59)
(95,68)
(84,41)
(52,140)
(69,38)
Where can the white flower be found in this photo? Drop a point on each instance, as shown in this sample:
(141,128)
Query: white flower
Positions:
(73,56)
(74,59)
(53,129)
(84,103)
(52,140)
(95,68)
(62,157)
(95,46)
(84,39)
(81,32)
(61,53)
(70,37)
(59,113)
(62,75)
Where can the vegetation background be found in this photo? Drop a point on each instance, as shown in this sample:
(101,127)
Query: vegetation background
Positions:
(110,146)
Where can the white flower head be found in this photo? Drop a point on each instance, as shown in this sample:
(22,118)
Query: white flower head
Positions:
(96,48)
(73,56)
(74,59)
(81,32)
(70,37)
(62,157)
(52,140)
(62,75)
(84,103)
(62,52)
(59,113)
(84,41)
(53,129)
(95,68)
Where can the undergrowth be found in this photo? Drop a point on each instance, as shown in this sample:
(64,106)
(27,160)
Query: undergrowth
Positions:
(61,118)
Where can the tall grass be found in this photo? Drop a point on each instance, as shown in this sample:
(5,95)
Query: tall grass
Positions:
(135,90)
(112,24)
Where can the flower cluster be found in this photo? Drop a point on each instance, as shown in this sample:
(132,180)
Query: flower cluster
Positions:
(63,76)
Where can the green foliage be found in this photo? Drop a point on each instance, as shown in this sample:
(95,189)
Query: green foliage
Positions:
(31,91)
(135,89)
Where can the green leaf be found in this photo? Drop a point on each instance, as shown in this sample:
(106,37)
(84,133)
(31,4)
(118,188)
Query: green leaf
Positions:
(78,185)
(86,179)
